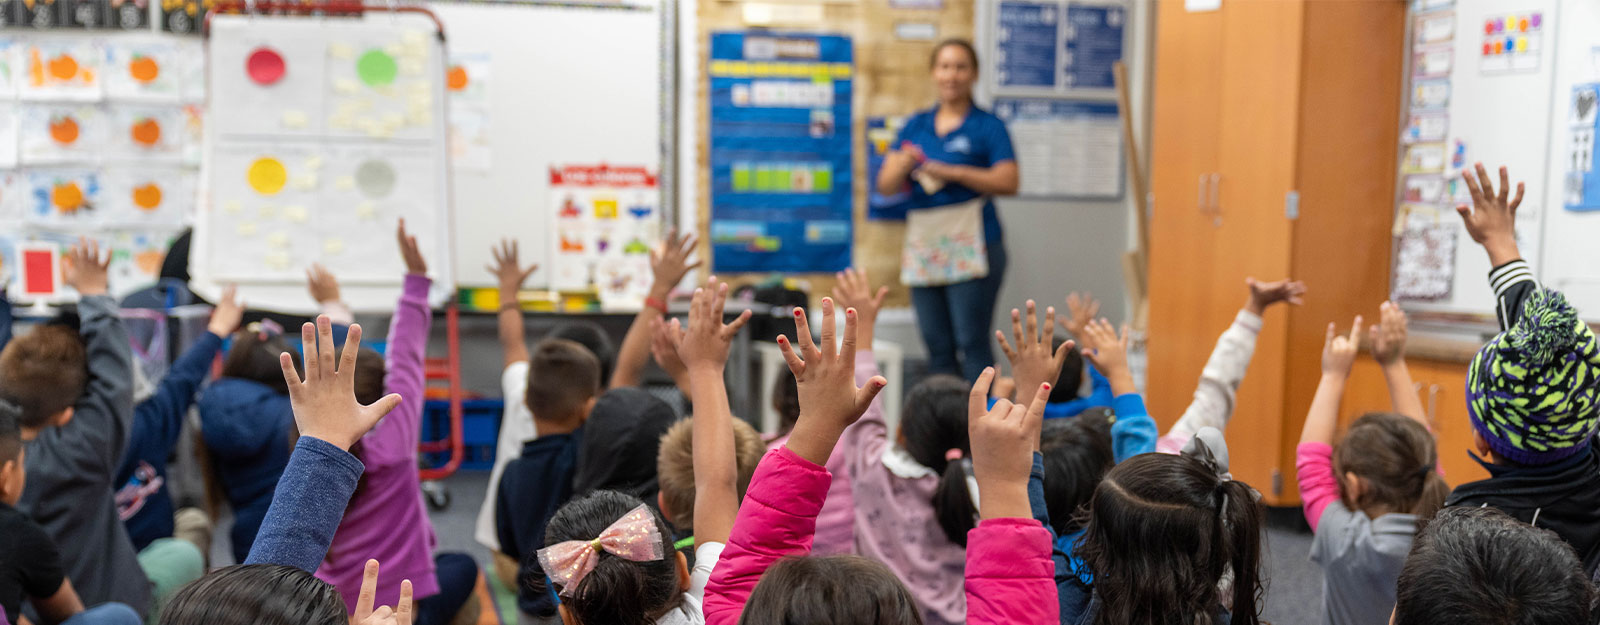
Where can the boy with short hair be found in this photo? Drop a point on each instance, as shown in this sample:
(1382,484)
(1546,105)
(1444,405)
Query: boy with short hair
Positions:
(675,470)
(76,399)
(563,383)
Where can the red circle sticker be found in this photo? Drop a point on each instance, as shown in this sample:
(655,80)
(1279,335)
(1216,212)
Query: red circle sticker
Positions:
(265,66)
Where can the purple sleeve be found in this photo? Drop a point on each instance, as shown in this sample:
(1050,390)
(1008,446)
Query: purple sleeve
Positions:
(394,440)
(1313,465)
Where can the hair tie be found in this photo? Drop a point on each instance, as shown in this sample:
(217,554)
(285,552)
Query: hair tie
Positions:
(953,454)
(634,537)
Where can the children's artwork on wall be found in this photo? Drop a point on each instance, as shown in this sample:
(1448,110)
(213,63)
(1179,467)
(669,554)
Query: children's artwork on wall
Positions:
(38,271)
(10,66)
(8,257)
(1425,262)
(13,193)
(149,196)
(193,130)
(142,71)
(467,78)
(8,136)
(136,257)
(63,197)
(62,69)
(191,70)
(146,134)
(469,138)
(62,133)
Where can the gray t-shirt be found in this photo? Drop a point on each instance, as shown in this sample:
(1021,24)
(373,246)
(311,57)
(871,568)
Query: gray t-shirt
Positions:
(1361,560)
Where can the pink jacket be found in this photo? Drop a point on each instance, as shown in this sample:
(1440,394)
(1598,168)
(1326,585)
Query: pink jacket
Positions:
(1010,578)
(836,523)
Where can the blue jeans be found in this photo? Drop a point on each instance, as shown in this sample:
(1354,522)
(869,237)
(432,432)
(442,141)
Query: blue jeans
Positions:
(955,319)
(458,576)
(106,614)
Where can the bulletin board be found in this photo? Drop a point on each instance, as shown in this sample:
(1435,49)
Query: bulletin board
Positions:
(325,132)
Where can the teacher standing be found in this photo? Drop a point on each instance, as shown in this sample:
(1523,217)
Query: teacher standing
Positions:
(955,157)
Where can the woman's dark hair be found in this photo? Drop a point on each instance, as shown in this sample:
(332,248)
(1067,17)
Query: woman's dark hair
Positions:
(254,357)
(1479,565)
(1071,378)
(617,591)
(1398,460)
(593,338)
(935,422)
(1077,454)
(834,590)
(256,594)
(786,399)
(956,42)
(1161,530)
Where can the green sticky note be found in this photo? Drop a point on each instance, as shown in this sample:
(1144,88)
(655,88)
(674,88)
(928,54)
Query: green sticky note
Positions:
(822,179)
(741,177)
(376,68)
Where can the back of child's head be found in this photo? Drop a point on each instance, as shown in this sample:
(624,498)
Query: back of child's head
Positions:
(370,372)
(934,428)
(786,399)
(622,438)
(562,377)
(256,594)
(254,357)
(1071,378)
(833,590)
(43,372)
(675,466)
(10,431)
(618,591)
(1480,566)
(593,338)
(1161,530)
(1532,393)
(1397,461)
(1077,454)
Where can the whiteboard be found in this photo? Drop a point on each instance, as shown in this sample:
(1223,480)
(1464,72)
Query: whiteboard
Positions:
(1571,255)
(566,85)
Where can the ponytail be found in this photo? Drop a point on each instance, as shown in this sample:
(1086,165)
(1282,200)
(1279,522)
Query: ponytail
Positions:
(1434,492)
(934,428)
(952,502)
(1242,523)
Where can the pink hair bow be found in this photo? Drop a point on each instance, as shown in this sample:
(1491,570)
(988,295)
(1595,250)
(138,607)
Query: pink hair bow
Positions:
(634,537)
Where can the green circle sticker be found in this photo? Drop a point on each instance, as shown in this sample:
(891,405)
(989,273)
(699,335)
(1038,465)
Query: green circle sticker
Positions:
(376,68)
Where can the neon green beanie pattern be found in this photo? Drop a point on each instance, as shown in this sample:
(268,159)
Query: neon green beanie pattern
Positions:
(1531,390)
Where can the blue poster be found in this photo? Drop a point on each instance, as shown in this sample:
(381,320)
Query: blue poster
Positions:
(1027,39)
(1583,182)
(780,152)
(1094,44)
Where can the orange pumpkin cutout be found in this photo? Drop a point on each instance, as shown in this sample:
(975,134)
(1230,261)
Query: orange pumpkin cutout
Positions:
(147,197)
(457,78)
(146,132)
(63,67)
(144,70)
(67,197)
(64,130)
(149,261)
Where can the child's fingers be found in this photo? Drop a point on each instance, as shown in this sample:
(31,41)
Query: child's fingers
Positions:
(1032,324)
(719,302)
(347,362)
(1472,186)
(1033,418)
(1355,332)
(1062,352)
(829,333)
(866,394)
(1016,326)
(847,346)
(728,331)
(1328,340)
(402,611)
(379,409)
(978,400)
(1484,184)
(796,365)
(1005,346)
(308,352)
(325,350)
(883,291)
(1049,325)
(1505,184)
(369,590)
(802,331)
(1517,201)
(290,377)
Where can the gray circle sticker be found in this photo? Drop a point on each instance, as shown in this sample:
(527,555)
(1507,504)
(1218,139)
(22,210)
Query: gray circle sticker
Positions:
(375,179)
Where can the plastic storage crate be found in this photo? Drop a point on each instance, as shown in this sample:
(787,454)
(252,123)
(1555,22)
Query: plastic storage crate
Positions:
(480,430)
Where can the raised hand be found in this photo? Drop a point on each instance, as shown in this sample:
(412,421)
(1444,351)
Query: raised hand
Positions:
(669,262)
(1003,439)
(365,615)
(704,346)
(1032,360)
(1081,309)
(1389,336)
(228,313)
(852,289)
(86,267)
(1265,294)
(325,405)
(1108,352)
(1492,218)
(1339,351)
(664,340)
(508,271)
(322,284)
(409,250)
(829,399)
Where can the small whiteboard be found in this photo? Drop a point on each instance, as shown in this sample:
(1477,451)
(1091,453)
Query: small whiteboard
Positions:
(324,133)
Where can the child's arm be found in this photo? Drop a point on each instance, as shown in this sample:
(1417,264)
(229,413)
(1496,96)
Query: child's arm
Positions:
(1010,575)
(1032,361)
(395,439)
(1492,222)
(158,420)
(853,289)
(1314,455)
(778,517)
(704,349)
(510,274)
(324,288)
(59,606)
(316,486)
(104,413)
(1134,432)
(668,264)
(1214,396)
(1388,348)
(664,339)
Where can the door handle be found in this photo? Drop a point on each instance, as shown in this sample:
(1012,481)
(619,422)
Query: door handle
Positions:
(1202,195)
(1216,195)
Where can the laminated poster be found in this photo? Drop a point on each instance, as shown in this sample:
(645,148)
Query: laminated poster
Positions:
(607,220)
(1425,259)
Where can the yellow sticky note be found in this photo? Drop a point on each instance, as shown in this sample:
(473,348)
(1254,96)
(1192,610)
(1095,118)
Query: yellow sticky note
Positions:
(296,214)
(279,240)
(393,49)
(341,122)
(232,207)
(346,86)
(247,229)
(391,118)
(413,38)
(307,182)
(276,260)
(366,211)
(341,51)
(411,67)
(344,183)
(333,245)
(296,120)
(267,211)
(313,163)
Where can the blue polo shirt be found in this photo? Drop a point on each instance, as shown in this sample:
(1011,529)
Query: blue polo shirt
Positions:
(980,141)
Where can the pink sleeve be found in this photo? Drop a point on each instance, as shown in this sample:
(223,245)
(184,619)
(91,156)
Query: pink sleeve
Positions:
(864,441)
(1010,576)
(1313,465)
(776,519)
(395,438)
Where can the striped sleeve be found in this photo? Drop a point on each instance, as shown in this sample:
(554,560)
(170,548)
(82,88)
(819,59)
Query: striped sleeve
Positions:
(1511,283)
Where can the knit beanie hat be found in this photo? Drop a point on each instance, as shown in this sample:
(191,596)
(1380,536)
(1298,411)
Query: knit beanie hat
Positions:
(1531,390)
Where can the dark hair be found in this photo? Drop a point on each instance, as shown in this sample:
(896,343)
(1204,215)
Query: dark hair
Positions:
(562,376)
(956,42)
(1077,454)
(256,594)
(593,338)
(1161,530)
(1397,458)
(1480,566)
(622,439)
(44,372)
(1071,378)
(786,399)
(254,357)
(934,422)
(833,590)
(370,372)
(10,431)
(617,591)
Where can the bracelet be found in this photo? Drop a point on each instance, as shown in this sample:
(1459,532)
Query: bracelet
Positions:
(656,303)
(504,306)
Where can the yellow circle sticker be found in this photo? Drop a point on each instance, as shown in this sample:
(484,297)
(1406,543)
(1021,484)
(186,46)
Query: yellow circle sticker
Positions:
(267,176)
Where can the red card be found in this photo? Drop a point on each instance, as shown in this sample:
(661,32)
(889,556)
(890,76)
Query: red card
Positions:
(38,272)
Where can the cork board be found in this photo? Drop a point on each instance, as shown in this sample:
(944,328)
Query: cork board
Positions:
(891,79)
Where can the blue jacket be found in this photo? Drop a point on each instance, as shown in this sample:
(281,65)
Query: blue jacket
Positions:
(143,501)
(311,497)
(245,426)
